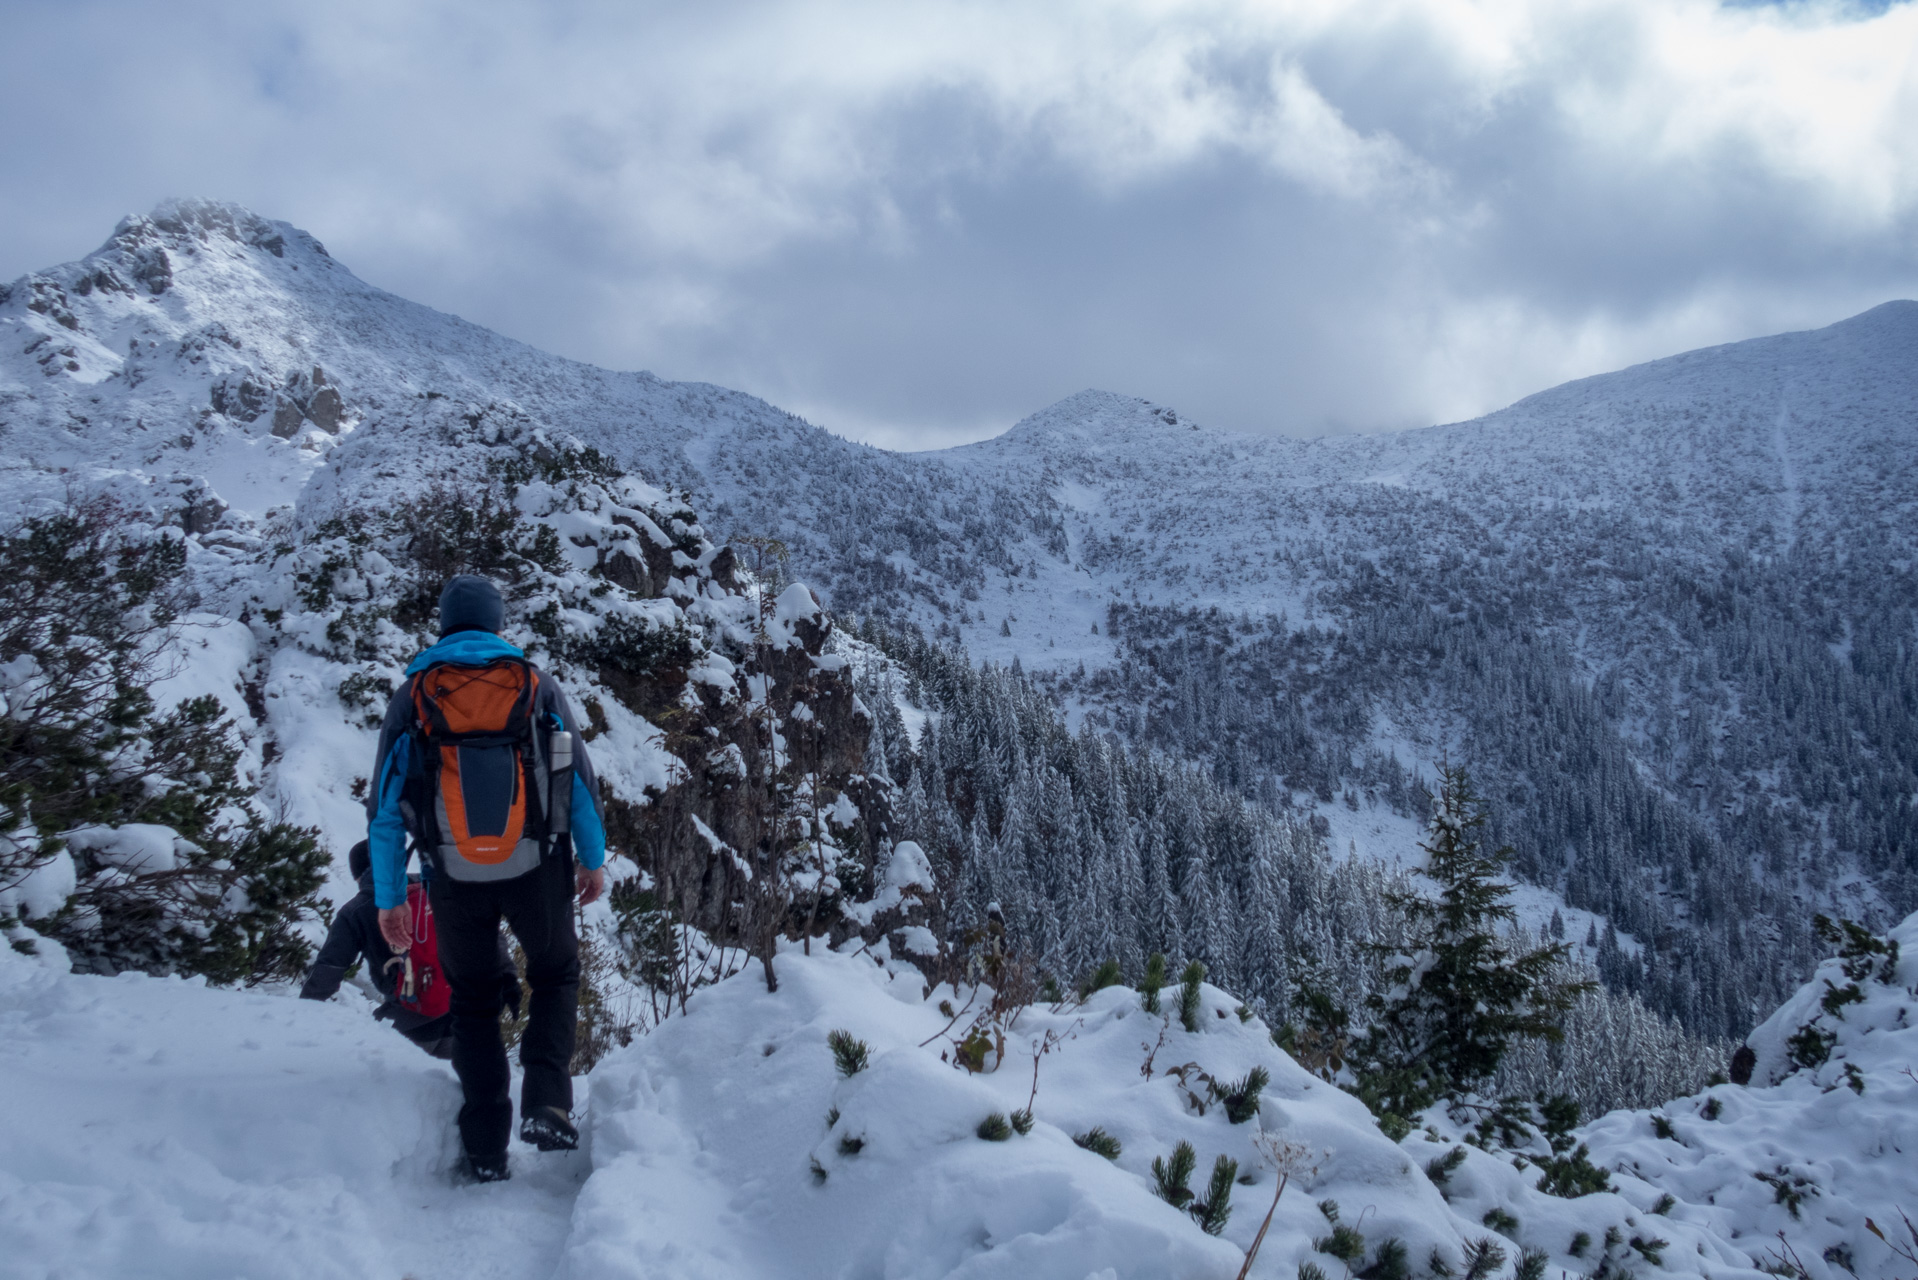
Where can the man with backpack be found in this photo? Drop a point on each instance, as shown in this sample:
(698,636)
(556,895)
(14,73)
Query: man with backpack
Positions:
(481,764)
(418,1000)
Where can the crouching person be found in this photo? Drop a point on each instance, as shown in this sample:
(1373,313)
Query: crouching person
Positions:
(481,764)
(355,938)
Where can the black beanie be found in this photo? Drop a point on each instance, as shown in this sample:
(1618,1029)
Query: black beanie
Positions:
(471,603)
(359,860)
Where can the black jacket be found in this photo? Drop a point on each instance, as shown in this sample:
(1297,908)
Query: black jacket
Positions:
(356,934)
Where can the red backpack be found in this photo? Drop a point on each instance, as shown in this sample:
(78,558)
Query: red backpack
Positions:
(420,985)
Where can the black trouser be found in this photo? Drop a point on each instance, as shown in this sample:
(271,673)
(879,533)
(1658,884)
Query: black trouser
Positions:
(538,906)
(436,1037)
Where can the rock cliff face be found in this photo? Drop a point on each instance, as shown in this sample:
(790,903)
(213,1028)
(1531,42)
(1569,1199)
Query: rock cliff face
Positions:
(730,742)
(331,453)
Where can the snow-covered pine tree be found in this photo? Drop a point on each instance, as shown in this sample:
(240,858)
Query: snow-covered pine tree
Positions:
(1460,993)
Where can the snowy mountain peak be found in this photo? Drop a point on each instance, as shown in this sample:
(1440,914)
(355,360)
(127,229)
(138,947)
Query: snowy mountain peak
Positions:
(185,224)
(1103,420)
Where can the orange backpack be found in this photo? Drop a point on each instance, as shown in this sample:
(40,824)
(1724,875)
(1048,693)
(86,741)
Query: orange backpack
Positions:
(477,773)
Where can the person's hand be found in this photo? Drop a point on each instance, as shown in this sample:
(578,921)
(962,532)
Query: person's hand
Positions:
(591,885)
(395,928)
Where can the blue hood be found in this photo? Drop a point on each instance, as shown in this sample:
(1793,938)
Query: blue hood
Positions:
(469,648)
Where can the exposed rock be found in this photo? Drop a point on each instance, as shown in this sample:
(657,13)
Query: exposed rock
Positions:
(326,409)
(241,399)
(286,419)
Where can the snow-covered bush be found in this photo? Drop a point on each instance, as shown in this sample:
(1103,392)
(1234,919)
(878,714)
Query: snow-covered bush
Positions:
(132,836)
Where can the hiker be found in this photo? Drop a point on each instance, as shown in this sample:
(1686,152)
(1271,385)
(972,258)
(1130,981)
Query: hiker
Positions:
(355,938)
(480,762)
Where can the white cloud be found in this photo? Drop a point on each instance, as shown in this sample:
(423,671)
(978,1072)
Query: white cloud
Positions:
(923,217)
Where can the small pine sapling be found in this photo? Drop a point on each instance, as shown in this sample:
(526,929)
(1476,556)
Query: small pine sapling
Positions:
(1241,1097)
(1330,1208)
(832,1117)
(1345,1243)
(1022,1121)
(1391,1261)
(1169,1176)
(994,1128)
(1437,1264)
(1662,1126)
(1153,982)
(1441,1169)
(1652,1250)
(1215,1210)
(1310,1271)
(1613,1238)
(1711,1108)
(1106,975)
(851,1056)
(1500,1221)
(818,1172)
(1531,1264)
(1580,1243)
(851,1146)
(1189,995)
(1568,1171)
(1665,1204)
(1099,1143)
(1389,1264)
(1483,1257)
(1394,1126)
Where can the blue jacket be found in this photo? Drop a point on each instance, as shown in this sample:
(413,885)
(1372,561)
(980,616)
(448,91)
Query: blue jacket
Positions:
(386,827)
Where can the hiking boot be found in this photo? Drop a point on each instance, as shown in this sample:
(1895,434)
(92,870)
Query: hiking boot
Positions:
(549,1129)
(487,1168)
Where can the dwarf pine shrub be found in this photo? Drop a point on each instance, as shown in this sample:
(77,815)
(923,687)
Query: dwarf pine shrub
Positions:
(1099,1143)
(1170,1176)
(1215,1210)
(1345,1243)
(1106,975)
(1154,980)
(1440,1170)
(89,620)
(1189,995)
(1241,1097)
(1652,1250)
(1389,1264)
(1483,1257)
(1531,1264)
(848,1054)
(994,1128)
(1022,1121)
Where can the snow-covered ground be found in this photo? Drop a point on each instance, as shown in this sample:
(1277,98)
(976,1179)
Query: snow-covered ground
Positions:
(162,1129)
(159,1128)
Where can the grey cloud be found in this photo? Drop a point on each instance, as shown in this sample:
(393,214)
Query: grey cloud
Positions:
(917,223)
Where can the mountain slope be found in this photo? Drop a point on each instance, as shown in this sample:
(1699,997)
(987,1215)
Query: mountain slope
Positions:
(1664,613)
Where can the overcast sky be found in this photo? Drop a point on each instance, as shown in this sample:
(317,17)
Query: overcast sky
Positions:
(915,222)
